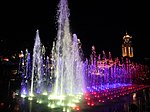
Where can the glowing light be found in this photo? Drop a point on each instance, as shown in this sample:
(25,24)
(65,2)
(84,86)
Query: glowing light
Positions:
(71,105)
(52,97)
(52,106)
(134,96)
(21,55)
(6,59)
(23,96)
(31,95)
(39,101)
(45,93)
(30,98)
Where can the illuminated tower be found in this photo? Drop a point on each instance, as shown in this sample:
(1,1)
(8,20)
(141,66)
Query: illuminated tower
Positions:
(127,49)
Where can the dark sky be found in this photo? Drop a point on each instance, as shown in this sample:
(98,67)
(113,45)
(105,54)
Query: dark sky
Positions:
(102,23)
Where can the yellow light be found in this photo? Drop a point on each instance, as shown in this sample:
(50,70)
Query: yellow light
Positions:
(71,105)
(23,96)
(52,106)
(52,97)
(31,95)
(45,93)
(30,98)
(39,101)
(134,96)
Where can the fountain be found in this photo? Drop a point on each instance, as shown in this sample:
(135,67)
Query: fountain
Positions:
(25,70)
(68,66)
(108,79)
(35,71)
(36,78)
(59,81)
(62,84)
(104,72)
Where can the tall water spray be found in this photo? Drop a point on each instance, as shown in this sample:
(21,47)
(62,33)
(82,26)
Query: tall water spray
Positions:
(26,72)
(68,64)
(36,78)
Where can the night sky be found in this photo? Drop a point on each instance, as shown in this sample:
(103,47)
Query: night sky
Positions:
(102,23)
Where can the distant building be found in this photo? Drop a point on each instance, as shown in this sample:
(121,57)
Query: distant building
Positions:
(127,48)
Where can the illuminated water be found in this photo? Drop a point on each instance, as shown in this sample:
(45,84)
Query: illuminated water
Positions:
(62,84)
(36,79)
(68,66)
(25,60)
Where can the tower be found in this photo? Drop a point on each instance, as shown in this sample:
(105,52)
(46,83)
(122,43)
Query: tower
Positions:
(127,49)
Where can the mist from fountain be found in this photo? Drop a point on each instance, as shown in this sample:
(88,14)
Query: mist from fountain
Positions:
(36,77)
(68,64)
(61,77)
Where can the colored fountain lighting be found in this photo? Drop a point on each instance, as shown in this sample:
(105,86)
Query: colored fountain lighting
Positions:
(61,84)
(68,66)
(65,81)
(24,92)
(111,93)
(36,66)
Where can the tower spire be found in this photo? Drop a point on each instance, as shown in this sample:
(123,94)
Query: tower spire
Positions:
(127,49)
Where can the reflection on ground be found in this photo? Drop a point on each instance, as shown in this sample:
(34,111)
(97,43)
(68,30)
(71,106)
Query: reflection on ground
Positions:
(134,102)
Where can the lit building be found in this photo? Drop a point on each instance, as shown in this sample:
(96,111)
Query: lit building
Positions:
(127,49)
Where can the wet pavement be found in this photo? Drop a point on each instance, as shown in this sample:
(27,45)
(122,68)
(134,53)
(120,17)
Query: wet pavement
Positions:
(135,102)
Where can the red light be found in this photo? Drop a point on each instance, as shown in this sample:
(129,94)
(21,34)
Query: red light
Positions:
(78,108)
(86,97)
(92,104)
(6,59)
(94,93)
(88,103)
